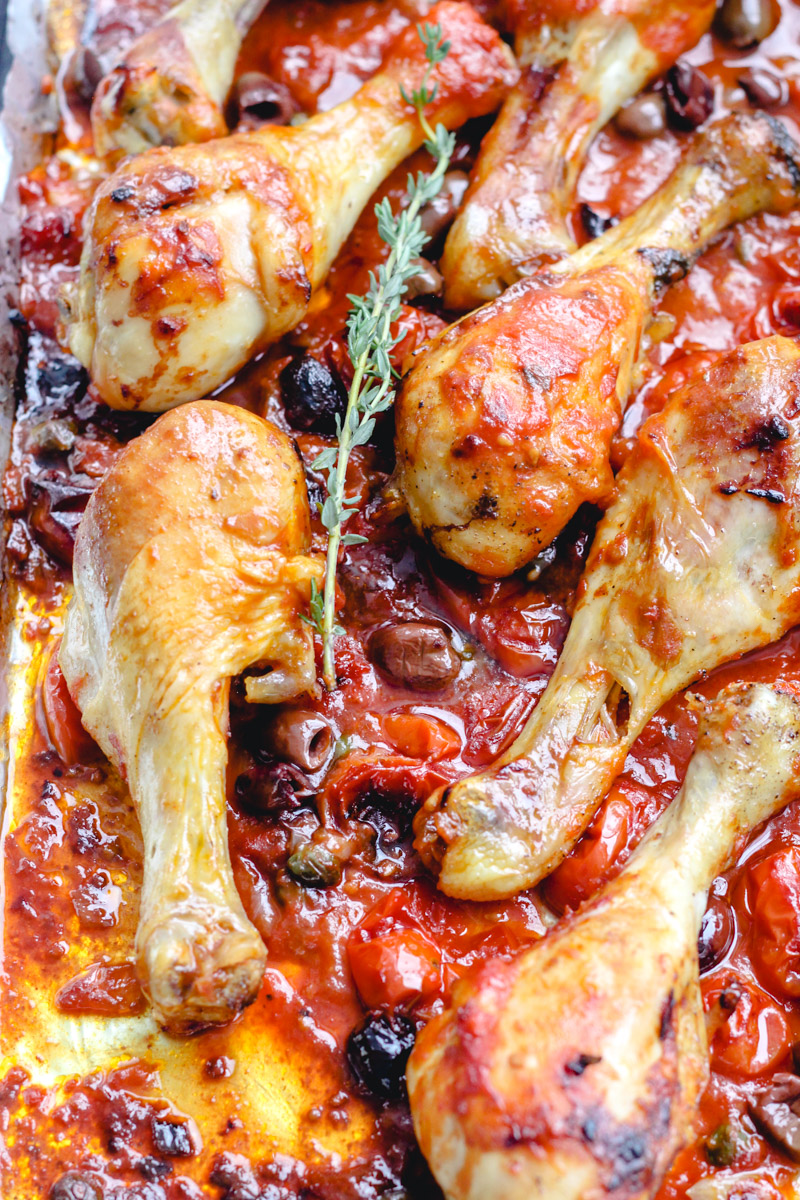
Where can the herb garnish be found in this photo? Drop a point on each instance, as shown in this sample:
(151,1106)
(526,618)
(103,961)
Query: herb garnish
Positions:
(370,341)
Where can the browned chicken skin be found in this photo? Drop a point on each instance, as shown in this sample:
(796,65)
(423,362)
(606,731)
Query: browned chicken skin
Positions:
(197,257)
(515,214)
(191,564)
(573,1072)
(504,424)
(696,562)
(170,85)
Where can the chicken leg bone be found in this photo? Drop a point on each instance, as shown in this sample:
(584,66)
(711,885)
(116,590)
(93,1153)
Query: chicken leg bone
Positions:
(191,564)
(696,562)
(170,85)
(504,424)
(515,214)
(575,1069)
(197,257)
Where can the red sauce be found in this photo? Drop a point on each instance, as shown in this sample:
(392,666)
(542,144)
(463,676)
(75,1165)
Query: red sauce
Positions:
(382,937)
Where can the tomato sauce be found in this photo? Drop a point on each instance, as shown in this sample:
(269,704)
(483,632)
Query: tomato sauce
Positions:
(354,925)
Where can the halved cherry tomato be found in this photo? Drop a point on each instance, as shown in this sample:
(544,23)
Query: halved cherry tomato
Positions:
(393,961)
(420,736)
(748,1032)
(774,886)
(593,859)
(396,779)
(70,740)
(395,969)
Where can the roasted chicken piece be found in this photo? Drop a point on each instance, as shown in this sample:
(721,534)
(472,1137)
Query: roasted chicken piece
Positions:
(191,565)
(696,562)
(504,424)
(171,83)
(574,1070)
(515,214)
(196,257)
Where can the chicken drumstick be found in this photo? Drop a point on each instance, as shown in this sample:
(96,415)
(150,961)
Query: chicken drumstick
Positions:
(575,1070)
(191,564)
(504,424)
(197,257)
(171,83)
(515,214)
(696,562)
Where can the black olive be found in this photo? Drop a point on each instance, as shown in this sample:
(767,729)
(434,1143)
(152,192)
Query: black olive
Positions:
(74,1185)
(594,222)
(762,88)
(172,1138)
(312,395)
(378,1052)
(62,378)
(645,117)
(716,933)
(744,23)
(689,96)
(270,789)
(145,1191)
(414,654)
(259,100)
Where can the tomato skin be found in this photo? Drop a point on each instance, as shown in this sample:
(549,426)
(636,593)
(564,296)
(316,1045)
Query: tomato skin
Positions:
(752,1034)
(774,888)
(70,740)
(591,862)
(393,961)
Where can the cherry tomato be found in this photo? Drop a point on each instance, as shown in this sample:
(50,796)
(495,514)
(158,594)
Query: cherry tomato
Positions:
(419,736)
(394,780)
(748,1033)
(592,861)
(70,740)
(396,969)
(393,961)
(774,885)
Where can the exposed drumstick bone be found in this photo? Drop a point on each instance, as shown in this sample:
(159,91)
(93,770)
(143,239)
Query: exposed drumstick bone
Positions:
(575,1069)
(504,424)
(197,257)
(696,562)
(191,564)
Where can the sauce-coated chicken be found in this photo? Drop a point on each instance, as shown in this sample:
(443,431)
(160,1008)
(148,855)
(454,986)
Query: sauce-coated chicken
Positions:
(191,565)
(522,189)
(696,562)
(170,86)
(197,257)
(573,1072)
(504,424)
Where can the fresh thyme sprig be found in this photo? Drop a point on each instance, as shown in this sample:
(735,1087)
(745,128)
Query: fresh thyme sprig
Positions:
(370,341)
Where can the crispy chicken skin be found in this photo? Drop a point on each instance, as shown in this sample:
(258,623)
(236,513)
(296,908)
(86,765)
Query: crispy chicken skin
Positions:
(171,83)
(696,562)
(197,257)
(191,564)
(573,1072)
(515,213)
(504,424)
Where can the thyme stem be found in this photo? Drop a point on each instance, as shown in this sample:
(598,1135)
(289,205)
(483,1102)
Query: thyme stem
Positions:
(370,341)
